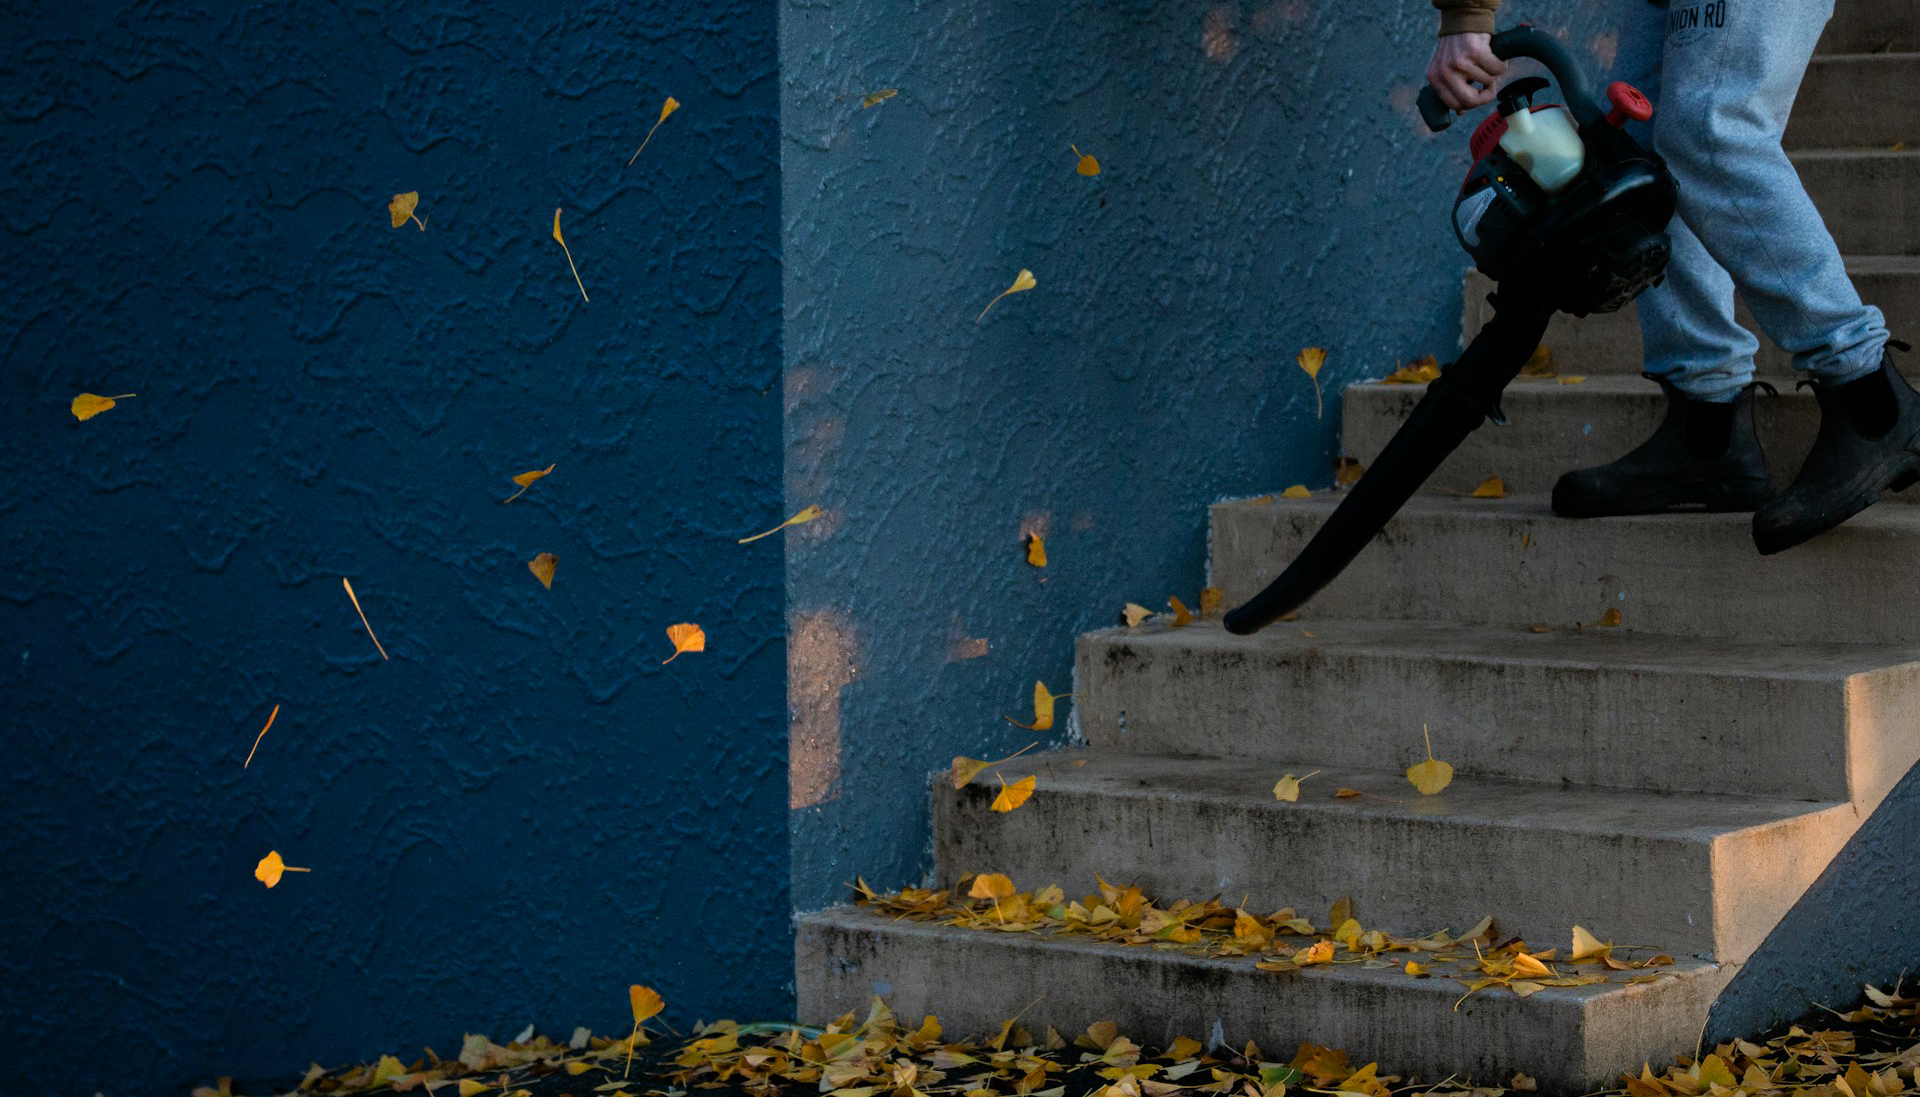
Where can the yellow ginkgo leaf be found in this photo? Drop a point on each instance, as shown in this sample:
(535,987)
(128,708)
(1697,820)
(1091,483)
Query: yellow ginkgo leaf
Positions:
(525,480)
(1288,788)
(87,405)
(1036,550)
(1012,796)
(1181,614)
(1416,969)
(646,1002)
(1491,488)
(1609,619)
(1311,360)
(1539,363)
(1572,379)
(666,108)
(1319,952)
(1042,709)
(1347,471)
(1212,601)
(1023,282)
(1431,775)
(966,769)
(1347,793)
(363,616)
(543,567)
(991,885)
(271,866)
(562,241)
(685,637)
(1588,947)
(805,515)
(878,97)
(1087,165)
(262,735)
(400,209)
(1134,613)
(1297,491)
(1418,372)
(1527,964)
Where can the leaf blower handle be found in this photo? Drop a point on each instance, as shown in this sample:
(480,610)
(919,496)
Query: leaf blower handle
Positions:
(1524,41)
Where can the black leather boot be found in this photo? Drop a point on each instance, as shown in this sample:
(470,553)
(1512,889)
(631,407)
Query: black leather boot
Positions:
(1704,455)
(1869,442)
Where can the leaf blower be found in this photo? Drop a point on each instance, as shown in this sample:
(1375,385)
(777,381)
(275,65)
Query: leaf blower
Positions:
(1566,213)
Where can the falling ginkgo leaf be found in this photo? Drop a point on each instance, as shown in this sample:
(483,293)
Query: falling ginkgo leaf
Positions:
(363,616)
(525,480)
(1609,619)
(805,515)
(647,1005)
(262,735)
(1134,613)
(1087,165)
(878,97)
(1491,488)
(543,567)
(87,405)
(966,769)
(400,209)
(1042,709)
(666,108)
(1288,788)
(1431,775)
(271,866)
(1023,282)
(1012,796)
(1181,614)
(1311,360)
(562,241)
(1212,601)
(1036,550)
(685,637)
(1297,491)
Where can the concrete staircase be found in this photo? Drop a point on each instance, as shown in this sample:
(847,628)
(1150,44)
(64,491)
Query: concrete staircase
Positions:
(1677,780)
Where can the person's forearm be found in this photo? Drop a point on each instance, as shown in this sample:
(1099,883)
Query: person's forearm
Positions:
(1466,16)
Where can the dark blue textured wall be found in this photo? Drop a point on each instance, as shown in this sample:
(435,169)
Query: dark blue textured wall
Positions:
(523,811)
(1267,187)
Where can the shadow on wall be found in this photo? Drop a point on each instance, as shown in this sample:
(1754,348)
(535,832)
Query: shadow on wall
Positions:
(1854,925)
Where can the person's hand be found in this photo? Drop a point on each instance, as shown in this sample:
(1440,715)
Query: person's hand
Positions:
(1459,61)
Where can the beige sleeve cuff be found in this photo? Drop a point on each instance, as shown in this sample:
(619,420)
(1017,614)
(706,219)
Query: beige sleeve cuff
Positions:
(1465,20)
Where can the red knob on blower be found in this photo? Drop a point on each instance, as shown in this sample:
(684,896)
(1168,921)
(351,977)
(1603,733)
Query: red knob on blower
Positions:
(1627,103)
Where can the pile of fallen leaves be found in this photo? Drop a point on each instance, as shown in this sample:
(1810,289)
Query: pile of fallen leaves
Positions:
(1874,1051)
(1283,941)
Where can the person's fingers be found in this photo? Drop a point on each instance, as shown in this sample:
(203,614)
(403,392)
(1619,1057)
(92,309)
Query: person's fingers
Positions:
(1470,68)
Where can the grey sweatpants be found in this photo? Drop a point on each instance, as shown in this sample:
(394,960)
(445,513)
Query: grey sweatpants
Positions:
(1722,75)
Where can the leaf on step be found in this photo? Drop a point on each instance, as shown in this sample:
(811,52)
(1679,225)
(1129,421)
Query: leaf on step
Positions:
(1288,788)
(991,885)
(1319,952)
(1588,947)
(1491,488)
(1181,614)
(1432,775)
(1341,910)
(1347,793)
(1036,549)
(1418,372)
(1012,796)
(1297,491)
(543,567)
(1212,601)
(966,769)
(1539,363)
(1347,471)
(1609,619)
(1525,963)
(87,405)
(1540,628)
(1523,1083)
(1133,614)
(1021,283)
(1416,969)
(1572,379)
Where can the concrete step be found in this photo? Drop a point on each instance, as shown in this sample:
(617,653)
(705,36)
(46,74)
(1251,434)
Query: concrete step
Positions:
(1588,707)
(1571,1039)
(1553,428)
(1695,874)
(1869,198)
(1512,561)
(1872,26)
(1857,100)
(1610,342)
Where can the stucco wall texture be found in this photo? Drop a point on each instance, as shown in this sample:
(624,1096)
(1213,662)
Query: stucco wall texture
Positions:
(523,811)
(1266,187)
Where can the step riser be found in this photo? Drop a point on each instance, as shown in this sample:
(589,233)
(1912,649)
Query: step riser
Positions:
(1854,101)
(1554,428)
(1609,343)
(1508,564)
(1680,731)
(1714,898)
(974,981)
(1871,204)
(1869,26)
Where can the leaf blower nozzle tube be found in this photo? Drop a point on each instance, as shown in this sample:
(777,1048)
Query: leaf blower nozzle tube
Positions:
(1466,395)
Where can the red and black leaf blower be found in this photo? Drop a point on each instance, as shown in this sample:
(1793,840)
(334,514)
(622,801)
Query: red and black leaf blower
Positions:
(1566,213)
